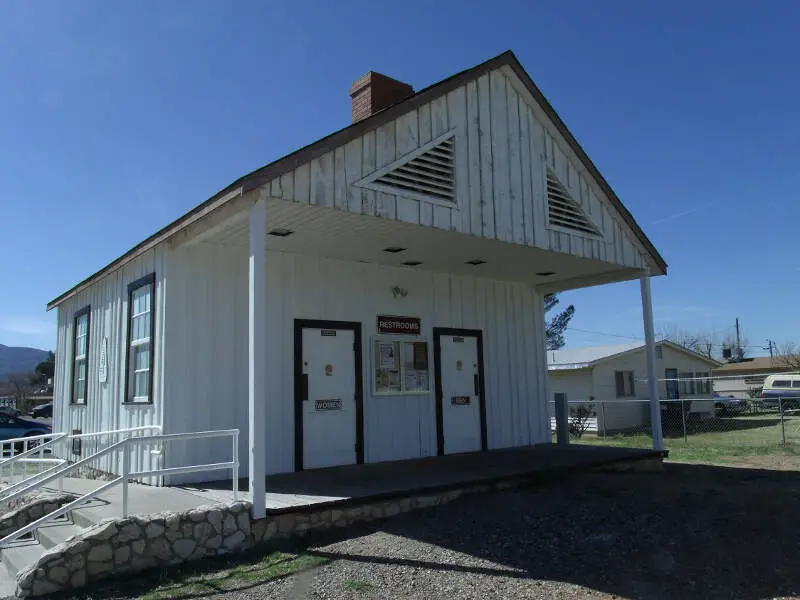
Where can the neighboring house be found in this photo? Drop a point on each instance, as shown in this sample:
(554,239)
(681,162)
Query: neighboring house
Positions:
(377,295)
(744,379)
(614,375)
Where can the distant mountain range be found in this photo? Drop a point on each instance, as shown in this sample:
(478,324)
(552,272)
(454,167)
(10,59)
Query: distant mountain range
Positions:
(19,360)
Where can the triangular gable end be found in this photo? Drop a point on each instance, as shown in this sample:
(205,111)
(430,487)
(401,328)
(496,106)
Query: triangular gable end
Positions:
(427,173)
(563,211)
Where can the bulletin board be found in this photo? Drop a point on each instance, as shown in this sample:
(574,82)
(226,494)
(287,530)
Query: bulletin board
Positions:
(400,367)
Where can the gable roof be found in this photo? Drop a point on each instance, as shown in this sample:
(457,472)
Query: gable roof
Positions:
(582,358)
(299,157)
(759,364)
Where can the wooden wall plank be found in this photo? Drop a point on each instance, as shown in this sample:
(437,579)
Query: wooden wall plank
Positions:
(424,125)
(275,188)
(528,165)
(474,166)
(538,181)
(301,184)
(322,180)
(457,118)
(368,197)
(485,136)
(439,121)
(339,179)
(386,152)
(352,166)
(515,195)
(407,133)
(287,185)
(500,159)
(439,126)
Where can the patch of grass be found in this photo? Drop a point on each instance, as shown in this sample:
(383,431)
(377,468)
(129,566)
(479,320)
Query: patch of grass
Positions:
(206,578)
(270,566)
(356,585)
(719,440)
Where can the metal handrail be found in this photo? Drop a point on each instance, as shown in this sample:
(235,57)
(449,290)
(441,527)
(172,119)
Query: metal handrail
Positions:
(50,437)
(55,438)
(127,474)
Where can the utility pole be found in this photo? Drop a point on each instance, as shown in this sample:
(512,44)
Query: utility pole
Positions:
(738,339)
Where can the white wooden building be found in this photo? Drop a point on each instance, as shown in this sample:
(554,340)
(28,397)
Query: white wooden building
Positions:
(376,295)
(613,378)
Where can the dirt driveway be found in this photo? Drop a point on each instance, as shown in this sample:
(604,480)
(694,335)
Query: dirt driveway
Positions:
(690,532)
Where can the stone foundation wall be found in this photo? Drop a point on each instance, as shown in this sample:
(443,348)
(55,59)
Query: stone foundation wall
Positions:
(125,546)
(28,509)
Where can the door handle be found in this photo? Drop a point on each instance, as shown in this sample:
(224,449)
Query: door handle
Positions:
(304,387)
(476,379)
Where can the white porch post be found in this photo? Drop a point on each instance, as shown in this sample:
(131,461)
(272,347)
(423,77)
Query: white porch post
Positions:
(652,383)
(257,357)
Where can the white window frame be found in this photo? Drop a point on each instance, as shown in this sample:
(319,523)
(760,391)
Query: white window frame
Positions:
(130,367)
(402,391)
(80,341)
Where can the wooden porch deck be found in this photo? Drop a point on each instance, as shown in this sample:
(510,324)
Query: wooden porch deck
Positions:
(359,484)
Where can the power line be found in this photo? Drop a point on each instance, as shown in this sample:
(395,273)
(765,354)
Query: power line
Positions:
(641,339)
(616,335)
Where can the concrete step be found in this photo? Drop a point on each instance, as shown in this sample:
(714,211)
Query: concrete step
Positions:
(20,555)
(56,532)
(8,582)
(23,553)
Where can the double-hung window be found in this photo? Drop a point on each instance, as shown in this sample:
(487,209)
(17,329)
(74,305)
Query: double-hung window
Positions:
(626,387)
(686,385)
(80,355)
(141,328)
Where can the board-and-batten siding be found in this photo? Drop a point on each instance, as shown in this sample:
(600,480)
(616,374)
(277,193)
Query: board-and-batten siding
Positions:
(104,410)
(208,386)
(502,153)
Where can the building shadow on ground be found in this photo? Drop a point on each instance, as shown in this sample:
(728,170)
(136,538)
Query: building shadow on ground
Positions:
(688,532)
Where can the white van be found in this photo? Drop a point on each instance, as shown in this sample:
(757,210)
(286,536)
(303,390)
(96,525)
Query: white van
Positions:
(783,388)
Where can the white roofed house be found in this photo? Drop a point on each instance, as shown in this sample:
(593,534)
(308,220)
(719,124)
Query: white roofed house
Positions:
(374,296)
(614,380)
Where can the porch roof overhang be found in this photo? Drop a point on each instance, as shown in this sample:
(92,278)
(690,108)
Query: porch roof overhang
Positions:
(354,237)
(259,177)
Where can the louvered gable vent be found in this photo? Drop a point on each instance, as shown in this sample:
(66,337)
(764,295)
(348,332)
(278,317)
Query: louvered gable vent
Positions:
(563,211)
(427,173)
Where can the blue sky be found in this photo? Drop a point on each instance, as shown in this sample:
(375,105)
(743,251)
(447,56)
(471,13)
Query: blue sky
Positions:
(118,117)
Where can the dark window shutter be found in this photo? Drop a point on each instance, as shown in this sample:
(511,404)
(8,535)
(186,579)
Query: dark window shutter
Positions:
(620,377)
(633,387)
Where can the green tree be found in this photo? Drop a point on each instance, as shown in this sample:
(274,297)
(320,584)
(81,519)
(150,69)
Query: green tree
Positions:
(555,327)
(46,369)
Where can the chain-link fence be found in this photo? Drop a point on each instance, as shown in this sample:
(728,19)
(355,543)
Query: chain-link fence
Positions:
(711,427)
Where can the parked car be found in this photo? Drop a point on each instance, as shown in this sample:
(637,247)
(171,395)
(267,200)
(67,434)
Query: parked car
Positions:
(728,405)
(10,410)
(12,427)
(781,389)
(42,411)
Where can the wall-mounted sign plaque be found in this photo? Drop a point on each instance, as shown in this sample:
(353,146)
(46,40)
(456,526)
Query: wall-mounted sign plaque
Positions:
(395,325)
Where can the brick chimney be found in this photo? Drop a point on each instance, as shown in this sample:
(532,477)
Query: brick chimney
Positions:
(372,92)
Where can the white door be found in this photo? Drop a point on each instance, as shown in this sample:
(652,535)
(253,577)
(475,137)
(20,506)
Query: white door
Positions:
(329,410)
(460,381)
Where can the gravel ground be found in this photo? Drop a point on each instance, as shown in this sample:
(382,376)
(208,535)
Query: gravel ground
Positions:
(689,532)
